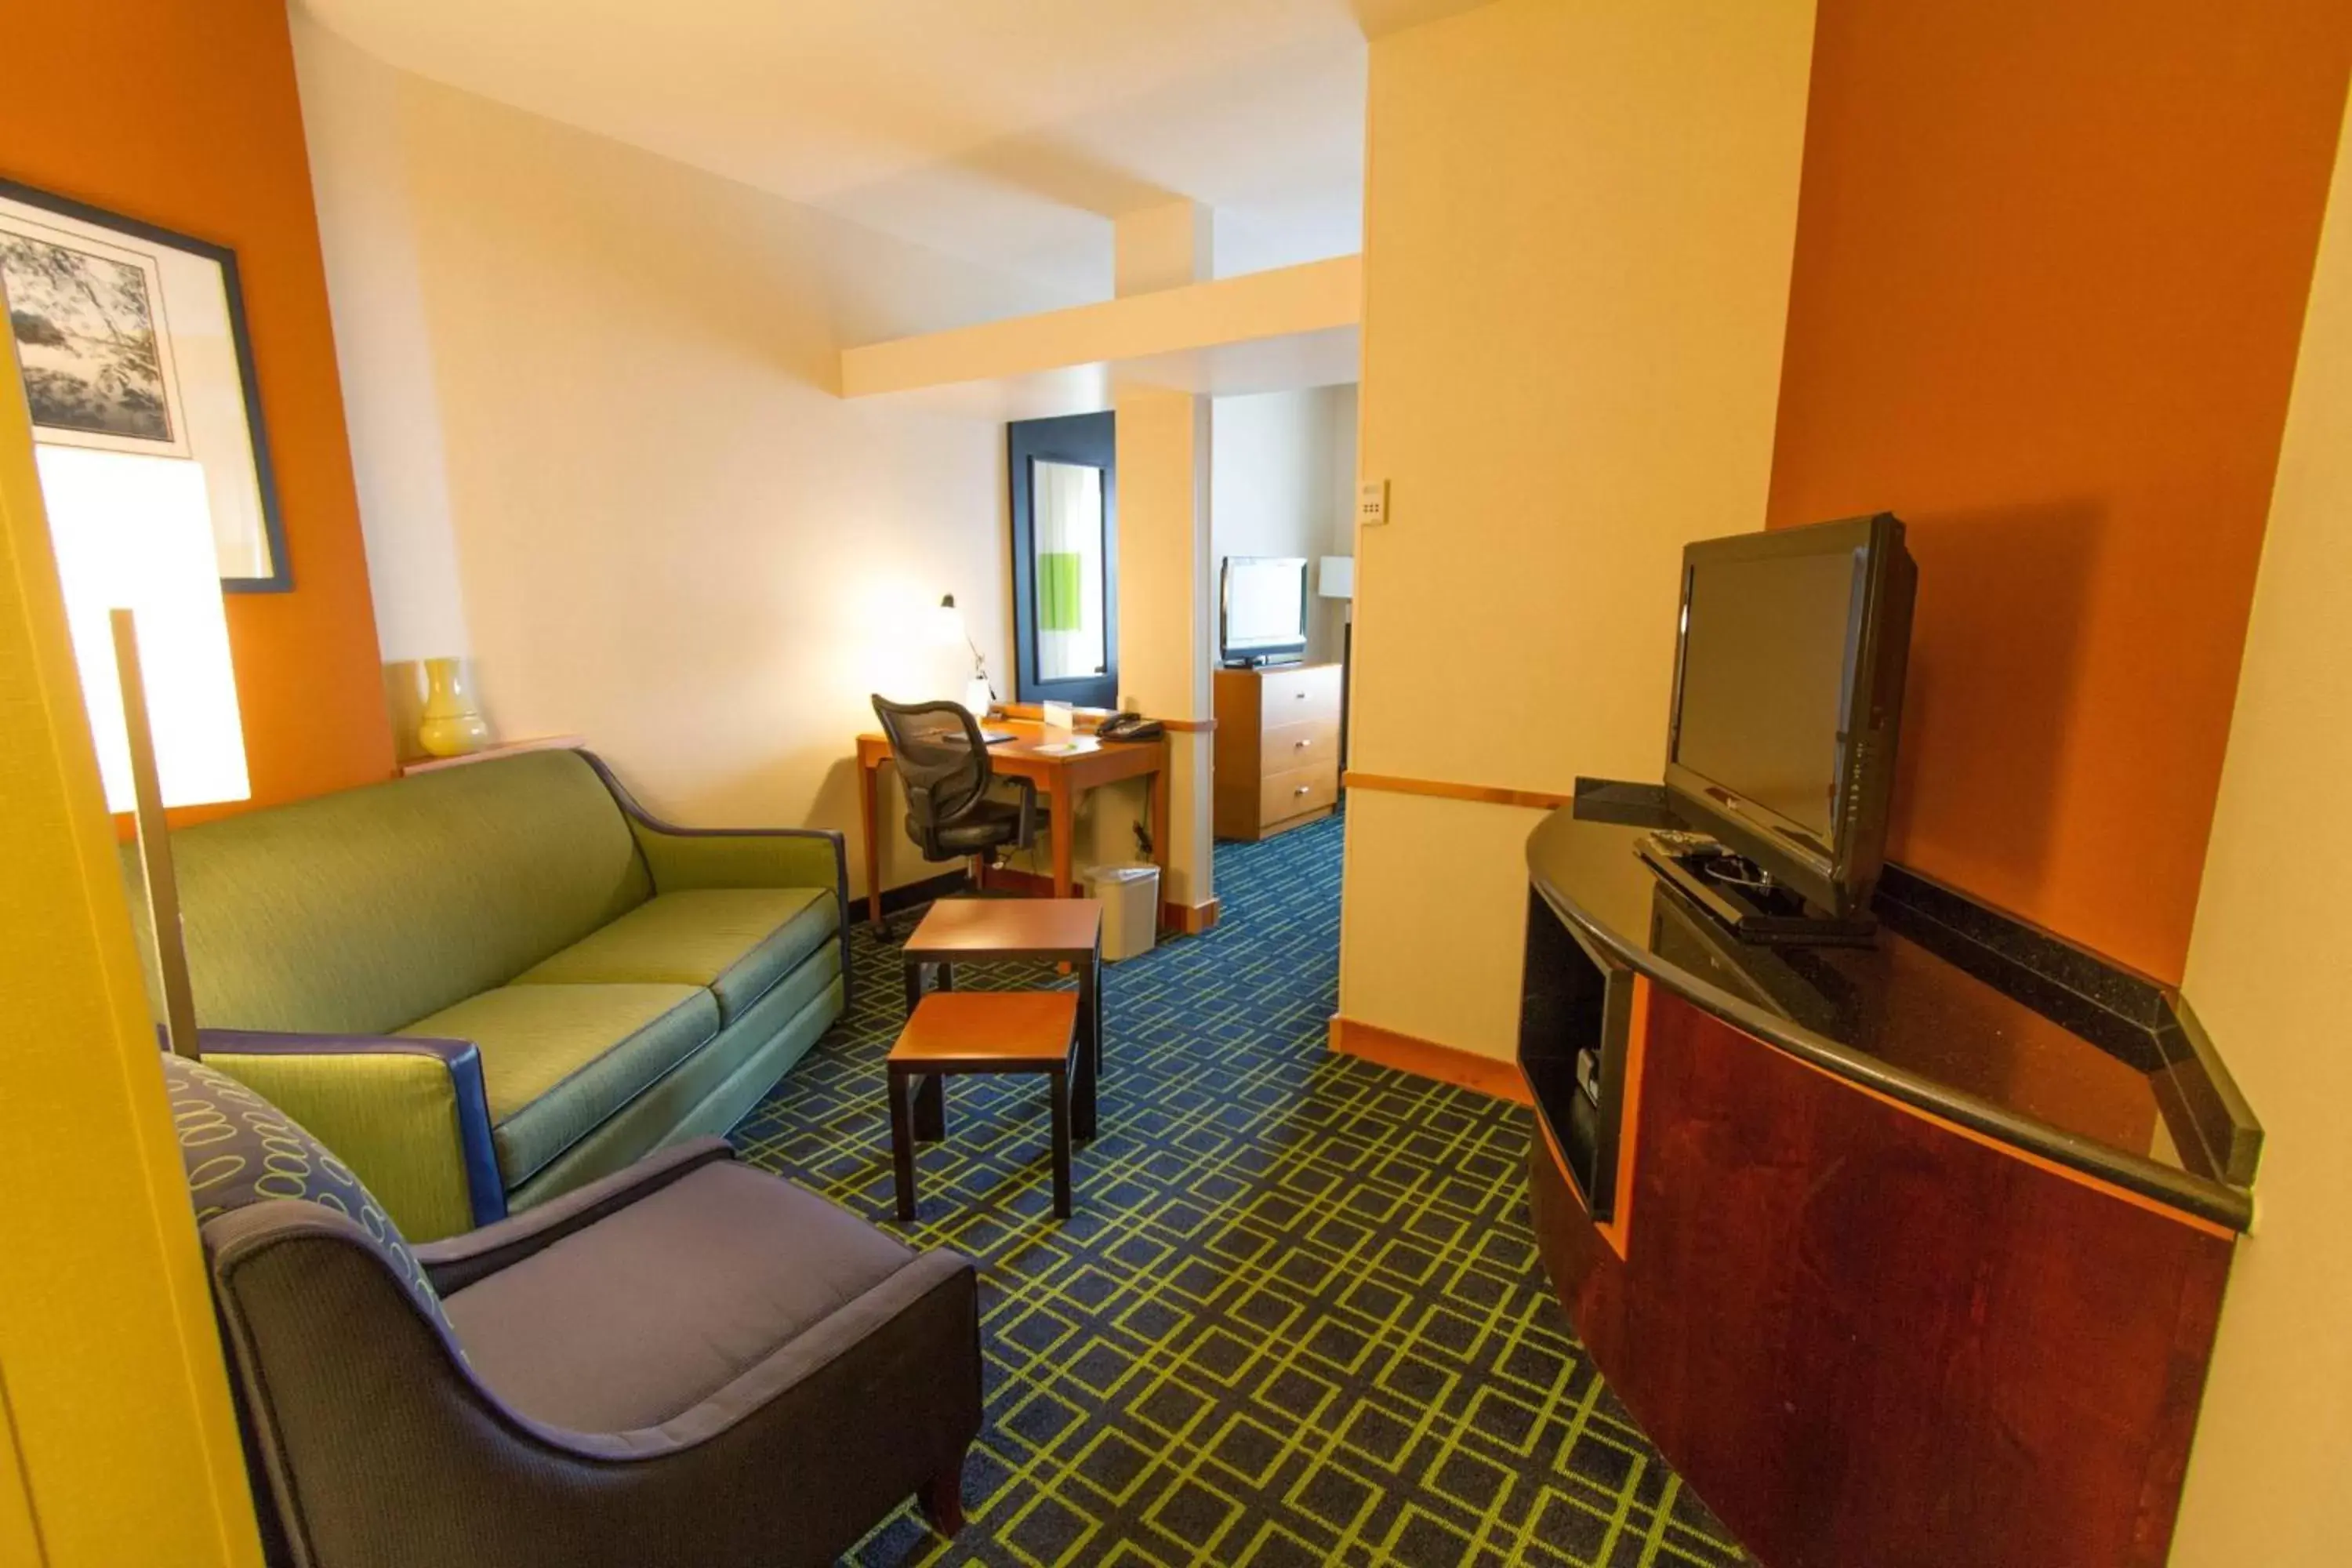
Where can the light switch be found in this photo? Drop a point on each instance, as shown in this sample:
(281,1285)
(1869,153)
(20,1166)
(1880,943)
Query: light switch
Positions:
(1371,503)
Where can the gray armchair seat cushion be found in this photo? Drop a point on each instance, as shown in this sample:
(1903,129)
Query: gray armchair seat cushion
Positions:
(668,1300)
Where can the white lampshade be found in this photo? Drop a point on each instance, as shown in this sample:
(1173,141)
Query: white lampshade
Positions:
(136,533)
(1335,578)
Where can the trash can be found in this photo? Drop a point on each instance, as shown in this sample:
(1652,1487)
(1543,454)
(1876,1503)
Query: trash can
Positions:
(1130,901)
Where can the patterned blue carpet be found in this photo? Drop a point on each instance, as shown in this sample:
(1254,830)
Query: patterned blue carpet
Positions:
(1297,1318)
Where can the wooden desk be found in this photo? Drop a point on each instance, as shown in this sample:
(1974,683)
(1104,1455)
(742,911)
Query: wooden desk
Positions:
(1061,779)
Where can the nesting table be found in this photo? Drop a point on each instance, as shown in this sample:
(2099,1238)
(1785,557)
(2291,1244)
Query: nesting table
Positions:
(950,1031)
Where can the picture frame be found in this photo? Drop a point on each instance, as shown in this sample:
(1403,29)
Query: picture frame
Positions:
(132,338)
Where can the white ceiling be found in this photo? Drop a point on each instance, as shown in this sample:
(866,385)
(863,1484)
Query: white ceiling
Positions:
(1006,131)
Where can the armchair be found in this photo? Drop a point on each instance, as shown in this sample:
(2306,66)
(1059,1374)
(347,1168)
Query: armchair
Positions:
(688,1361)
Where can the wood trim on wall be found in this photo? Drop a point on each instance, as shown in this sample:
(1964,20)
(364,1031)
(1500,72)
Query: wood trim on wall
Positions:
(1445,789)
(1427,1059)
(490,752)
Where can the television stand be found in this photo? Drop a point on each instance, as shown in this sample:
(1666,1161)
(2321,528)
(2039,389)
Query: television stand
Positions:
(1743,896)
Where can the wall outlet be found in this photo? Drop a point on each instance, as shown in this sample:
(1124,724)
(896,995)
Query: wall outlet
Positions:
(1371,503)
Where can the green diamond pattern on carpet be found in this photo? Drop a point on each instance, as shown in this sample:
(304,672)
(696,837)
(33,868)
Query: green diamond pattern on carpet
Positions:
(1297,1319)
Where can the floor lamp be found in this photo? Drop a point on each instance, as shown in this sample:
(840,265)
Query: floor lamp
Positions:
(135,557)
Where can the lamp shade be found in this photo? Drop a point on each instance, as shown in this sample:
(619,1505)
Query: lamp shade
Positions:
(136,533)
(1335,578)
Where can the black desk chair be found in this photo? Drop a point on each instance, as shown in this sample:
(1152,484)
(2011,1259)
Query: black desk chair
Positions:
(944,763)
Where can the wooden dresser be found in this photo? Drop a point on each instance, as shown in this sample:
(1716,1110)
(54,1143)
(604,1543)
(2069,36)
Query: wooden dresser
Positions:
(1277,742)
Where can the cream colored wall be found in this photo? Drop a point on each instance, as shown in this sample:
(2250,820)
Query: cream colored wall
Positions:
(2268,965)
(654,523)
(1163,605)
(1415,867)
(1281,483)
(1580,217)
(384,346)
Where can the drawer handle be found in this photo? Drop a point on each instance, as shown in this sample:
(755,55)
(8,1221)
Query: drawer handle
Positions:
(1300,695)
(1302,789)
(1302,745)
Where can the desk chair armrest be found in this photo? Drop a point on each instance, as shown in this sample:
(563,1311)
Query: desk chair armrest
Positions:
(408,1116)
(462,1260)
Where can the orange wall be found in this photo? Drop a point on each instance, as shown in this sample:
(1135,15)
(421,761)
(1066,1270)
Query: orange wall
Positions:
(2050,276)
(182,113)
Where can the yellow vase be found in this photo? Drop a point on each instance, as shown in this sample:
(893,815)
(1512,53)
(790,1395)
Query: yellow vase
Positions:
(453,726)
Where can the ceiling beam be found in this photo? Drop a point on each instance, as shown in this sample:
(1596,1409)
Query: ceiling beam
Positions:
(1314,298)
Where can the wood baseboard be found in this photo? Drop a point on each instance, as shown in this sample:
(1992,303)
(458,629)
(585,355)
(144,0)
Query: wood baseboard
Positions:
(907,895)
(1426,1058)
(1191,919)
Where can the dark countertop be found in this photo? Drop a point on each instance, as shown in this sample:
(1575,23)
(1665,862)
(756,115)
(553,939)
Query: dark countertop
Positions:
(1955,1008)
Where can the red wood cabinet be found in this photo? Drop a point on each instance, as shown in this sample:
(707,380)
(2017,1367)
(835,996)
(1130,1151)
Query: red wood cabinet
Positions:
(1869,1337)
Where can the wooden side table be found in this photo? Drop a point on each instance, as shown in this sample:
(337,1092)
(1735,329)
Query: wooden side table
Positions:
(1051,931)
(952,1032)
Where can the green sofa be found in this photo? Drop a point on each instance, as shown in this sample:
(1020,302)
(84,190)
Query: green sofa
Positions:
(486,985)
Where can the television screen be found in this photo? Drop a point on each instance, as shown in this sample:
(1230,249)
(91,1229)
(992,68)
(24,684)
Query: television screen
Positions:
(1764,688)
(1264,604)
(1788,700)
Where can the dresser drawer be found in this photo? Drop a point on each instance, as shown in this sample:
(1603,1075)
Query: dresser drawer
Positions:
(1292,696)
(1303,744)
(1296,790)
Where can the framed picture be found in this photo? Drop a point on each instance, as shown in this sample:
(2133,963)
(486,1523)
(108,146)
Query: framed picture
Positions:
(132,339)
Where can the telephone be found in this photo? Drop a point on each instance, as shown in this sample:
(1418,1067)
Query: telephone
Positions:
(1129,727)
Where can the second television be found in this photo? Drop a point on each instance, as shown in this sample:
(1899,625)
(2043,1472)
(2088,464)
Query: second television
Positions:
(1262,609)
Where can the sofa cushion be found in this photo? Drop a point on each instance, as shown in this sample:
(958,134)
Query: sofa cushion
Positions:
(738,942)
(667,1300)
(239,1149)
(557,1059)
(355,912)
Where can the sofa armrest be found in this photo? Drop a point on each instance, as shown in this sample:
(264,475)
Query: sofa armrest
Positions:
(462,1260)
(684,857)
(408,1116)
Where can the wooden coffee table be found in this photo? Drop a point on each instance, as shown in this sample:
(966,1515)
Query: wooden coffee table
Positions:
(1050,931)
(952,1032)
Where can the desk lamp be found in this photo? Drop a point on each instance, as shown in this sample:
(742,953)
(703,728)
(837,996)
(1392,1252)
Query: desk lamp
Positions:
(979,692)
(135,558)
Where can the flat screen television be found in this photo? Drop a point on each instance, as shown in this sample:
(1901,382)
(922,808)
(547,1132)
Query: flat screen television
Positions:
(1788,701)
(1261,609)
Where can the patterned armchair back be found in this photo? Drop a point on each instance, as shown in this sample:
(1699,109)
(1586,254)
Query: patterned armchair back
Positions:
(238,1150)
